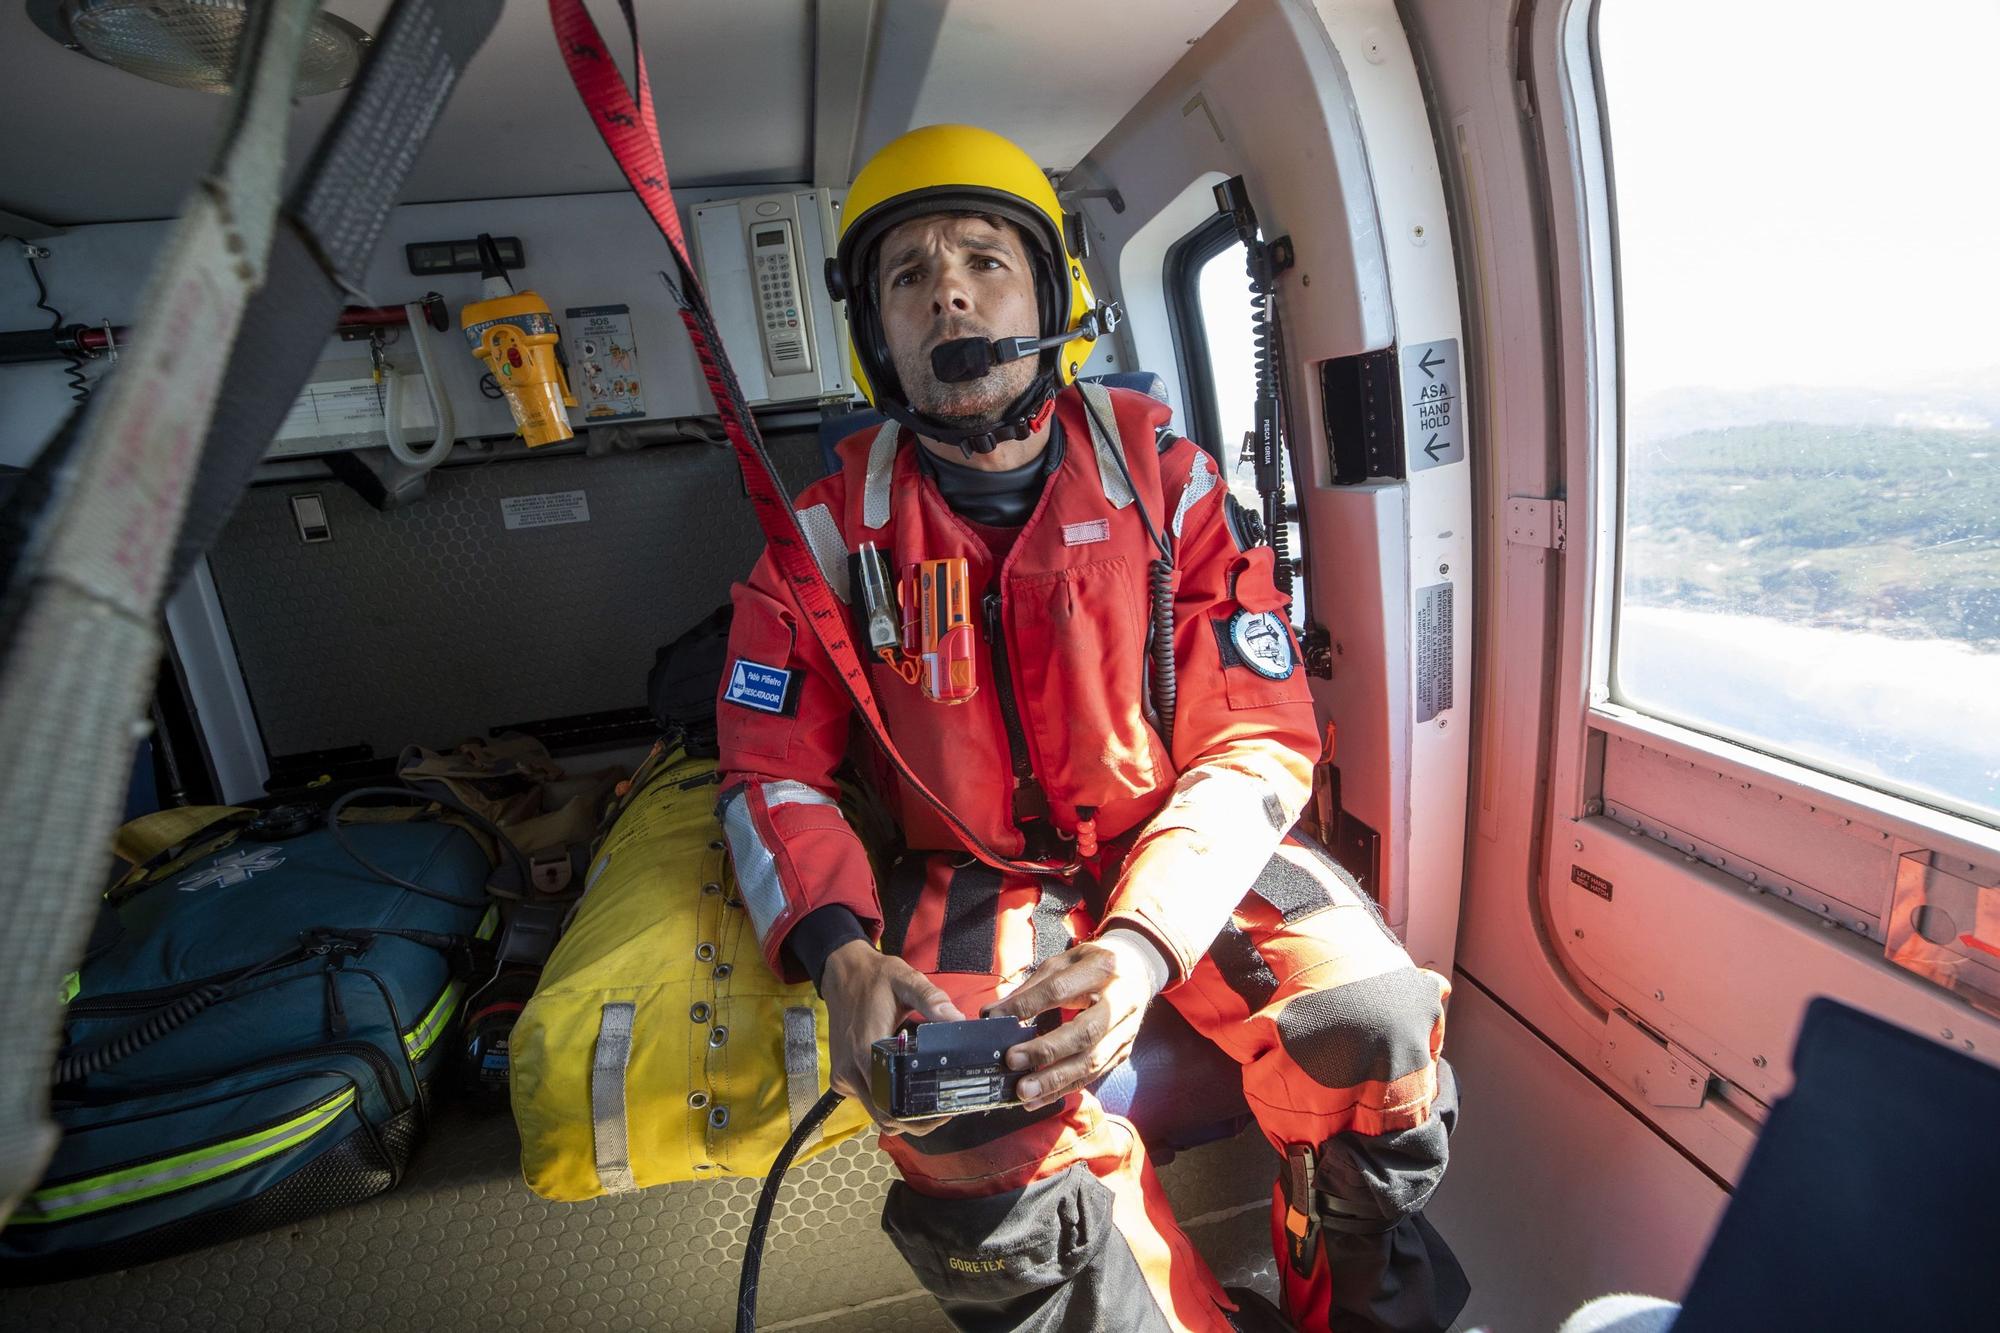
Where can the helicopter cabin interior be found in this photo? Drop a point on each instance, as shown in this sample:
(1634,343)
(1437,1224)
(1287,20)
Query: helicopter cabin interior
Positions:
(1634,469)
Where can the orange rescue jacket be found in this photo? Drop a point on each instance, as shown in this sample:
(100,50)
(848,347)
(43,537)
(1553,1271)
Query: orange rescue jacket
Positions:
(1073,612)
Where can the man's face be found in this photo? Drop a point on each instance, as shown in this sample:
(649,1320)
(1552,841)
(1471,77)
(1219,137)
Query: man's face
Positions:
(943,277)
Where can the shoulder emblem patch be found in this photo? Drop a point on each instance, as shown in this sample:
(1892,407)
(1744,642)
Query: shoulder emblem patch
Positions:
(1260,640)
(766,689)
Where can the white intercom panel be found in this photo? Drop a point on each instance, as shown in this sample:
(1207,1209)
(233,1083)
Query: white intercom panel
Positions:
(762,258)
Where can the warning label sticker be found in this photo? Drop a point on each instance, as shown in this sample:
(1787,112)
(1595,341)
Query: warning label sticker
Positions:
(545,511)
(1597,884)
(1433,650)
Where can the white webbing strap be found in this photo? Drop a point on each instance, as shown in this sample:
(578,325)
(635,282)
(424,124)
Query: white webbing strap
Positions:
(875,505)
(81,658)
(1103,416)
(608,1137)
(829,547)
(802,1067)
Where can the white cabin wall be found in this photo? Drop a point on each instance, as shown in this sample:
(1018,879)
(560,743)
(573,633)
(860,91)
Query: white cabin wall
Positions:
(1318,109)
(581,250)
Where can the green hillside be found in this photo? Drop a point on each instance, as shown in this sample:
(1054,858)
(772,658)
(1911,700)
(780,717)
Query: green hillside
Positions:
(1877,528)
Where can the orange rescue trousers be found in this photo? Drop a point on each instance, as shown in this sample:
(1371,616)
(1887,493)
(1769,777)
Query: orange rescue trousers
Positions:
(1055,1220)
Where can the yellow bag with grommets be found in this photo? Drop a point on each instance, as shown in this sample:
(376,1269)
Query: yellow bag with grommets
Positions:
(659,1046)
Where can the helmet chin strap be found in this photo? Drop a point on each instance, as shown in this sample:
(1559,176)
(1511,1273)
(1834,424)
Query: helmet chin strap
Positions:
(1019,420)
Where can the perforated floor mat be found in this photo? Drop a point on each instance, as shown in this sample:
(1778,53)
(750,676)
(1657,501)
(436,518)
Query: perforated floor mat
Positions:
(462,1245)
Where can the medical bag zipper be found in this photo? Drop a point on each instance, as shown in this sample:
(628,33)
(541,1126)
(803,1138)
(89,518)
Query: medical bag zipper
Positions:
(119,1003)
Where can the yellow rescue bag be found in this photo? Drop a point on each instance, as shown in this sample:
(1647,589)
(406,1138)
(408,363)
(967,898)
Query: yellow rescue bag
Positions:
(659,1046)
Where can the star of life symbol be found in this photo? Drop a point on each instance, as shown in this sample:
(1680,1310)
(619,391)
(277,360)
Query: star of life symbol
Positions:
(1261,640)
(233,868)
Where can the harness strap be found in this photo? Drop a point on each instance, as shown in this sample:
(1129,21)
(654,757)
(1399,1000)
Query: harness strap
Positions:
(77,625)
(631,132)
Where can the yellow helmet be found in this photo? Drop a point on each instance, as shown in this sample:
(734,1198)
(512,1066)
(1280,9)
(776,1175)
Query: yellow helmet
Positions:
(951,168)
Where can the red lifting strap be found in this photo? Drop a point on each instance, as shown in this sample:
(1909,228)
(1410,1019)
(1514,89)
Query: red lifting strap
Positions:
(634,139)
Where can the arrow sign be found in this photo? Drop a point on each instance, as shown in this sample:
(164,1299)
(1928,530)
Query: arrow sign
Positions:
(1433,412)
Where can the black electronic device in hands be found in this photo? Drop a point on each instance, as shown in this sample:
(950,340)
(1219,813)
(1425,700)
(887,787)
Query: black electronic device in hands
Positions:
(948,1068)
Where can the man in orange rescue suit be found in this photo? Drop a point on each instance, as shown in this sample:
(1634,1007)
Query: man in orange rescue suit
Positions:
(1062,497)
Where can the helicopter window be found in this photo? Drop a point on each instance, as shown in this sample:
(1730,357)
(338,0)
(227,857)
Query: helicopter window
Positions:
(1809,561)
(1209,286)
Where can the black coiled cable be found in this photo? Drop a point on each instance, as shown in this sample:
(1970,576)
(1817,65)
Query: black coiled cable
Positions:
(1264,339)
(79,384)
(1166,687)
(82,1064)
(753,1245)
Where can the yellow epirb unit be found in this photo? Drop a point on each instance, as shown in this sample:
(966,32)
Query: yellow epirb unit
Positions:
(515,334)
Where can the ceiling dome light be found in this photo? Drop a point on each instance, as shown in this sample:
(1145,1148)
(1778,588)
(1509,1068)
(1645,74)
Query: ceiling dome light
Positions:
(192,43)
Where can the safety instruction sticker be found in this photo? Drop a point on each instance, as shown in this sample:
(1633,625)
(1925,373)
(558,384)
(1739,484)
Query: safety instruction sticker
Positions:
(604,373)
(1433,650)
(545,511)
(1433,404)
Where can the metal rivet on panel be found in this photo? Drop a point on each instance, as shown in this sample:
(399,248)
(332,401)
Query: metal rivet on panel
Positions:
(699,1013)
(719,1117)
(705,952)
(715,846)
(722,971)
(697,1099)
(711,887)
(718,1035)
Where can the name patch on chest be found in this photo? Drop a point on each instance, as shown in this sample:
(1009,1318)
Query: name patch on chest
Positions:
(1083,534)
(754,685)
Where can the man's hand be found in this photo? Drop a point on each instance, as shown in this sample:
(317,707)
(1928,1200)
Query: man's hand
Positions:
(1113,983)
(867,993)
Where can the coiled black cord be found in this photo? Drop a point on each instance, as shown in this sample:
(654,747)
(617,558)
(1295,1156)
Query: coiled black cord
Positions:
(1264,340)
(1165,686)
(82,1064)
(79,384)
(753,1245)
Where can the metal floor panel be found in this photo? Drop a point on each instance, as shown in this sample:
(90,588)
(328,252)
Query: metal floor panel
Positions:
(461,1244)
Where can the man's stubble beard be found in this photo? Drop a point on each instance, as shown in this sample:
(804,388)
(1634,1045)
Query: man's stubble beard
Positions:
(964,406)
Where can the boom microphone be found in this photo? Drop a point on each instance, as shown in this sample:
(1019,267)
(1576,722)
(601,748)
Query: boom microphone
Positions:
(964,359)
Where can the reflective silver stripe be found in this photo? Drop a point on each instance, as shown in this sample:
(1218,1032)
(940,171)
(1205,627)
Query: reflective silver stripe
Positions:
(607,1099)
(881,463)
(1097,399)
(788,792)
(802,1066)
(1200,482)
(828,546)
(756,868)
